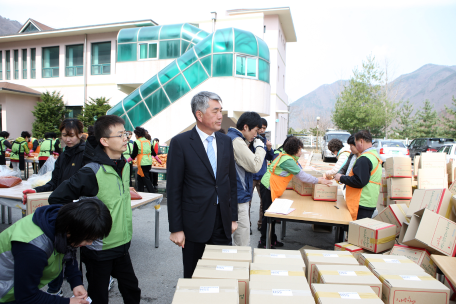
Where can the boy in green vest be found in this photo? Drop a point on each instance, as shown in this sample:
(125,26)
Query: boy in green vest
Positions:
(33,250)
(106,175)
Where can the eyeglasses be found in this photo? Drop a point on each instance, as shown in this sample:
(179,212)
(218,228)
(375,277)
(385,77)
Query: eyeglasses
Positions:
(123,135)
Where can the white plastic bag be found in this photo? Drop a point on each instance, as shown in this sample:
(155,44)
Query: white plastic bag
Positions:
(44,175)
(6,171)
(9,178)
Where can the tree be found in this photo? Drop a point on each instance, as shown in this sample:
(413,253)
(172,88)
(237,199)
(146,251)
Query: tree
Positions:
(363,104)
(426,121)
(449,120)
(406,121)
(94,109)
(49,113)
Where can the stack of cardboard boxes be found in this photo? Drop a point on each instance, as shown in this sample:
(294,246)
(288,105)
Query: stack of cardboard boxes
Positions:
(318,192)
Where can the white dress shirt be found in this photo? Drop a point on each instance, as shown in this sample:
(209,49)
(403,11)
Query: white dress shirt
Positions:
(204,137)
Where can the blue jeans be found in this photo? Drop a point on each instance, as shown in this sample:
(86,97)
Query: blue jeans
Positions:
(55,285)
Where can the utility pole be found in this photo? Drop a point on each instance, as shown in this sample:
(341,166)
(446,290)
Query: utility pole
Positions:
(318,119)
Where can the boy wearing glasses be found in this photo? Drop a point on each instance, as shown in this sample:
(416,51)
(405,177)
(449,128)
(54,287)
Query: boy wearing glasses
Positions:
(107,177)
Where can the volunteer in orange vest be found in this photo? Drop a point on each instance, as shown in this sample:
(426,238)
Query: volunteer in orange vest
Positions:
(143,152)
(364,181)
(275,181)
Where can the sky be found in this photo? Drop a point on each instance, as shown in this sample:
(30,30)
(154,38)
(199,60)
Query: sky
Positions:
(334,36)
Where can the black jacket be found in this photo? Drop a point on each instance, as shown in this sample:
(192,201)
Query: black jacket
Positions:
(84,183)
(193,191)
(67,164)
(32,261)
(361,174)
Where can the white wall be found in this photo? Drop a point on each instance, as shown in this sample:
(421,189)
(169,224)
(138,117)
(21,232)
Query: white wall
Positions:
(17,113)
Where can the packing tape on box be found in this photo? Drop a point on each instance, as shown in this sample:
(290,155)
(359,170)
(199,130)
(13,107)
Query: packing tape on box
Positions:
(403,212)
(328,294)
(386,277)
(335,272)
(269,272)
(383,240)
(294,292)
(340,255)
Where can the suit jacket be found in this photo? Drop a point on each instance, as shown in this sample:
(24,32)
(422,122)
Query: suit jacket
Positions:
(193,189)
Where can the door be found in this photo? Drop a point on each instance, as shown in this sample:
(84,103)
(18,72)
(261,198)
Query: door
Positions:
(412,148)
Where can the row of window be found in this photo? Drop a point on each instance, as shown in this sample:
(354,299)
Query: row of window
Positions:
(74,58)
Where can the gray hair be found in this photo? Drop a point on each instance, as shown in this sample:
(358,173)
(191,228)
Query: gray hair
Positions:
(200,102)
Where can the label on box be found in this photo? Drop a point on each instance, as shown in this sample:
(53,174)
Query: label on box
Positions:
(330,255)
(349,295)
(444,236)
(346,273)
(282,292)
(278,256)
(279,272)
(229,250)
(209,289)
(392,261)
(410,277)
(224,268)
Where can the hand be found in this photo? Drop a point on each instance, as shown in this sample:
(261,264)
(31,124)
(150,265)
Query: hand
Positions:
(158,159)
(337,177)
(8,150)
(178,238)
(24,195)
(78,301)
(80,292)
(129,160)
(31,151)
(329,177)
(268,145)
(234,226)
(323,181)
(258,143)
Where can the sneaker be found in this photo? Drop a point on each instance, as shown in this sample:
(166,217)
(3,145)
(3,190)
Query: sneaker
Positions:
(250,230)
(111,283)
(263,245)
(58,293)
(278,244)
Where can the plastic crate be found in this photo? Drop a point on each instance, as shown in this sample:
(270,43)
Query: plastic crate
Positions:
(163,149)
(161,176)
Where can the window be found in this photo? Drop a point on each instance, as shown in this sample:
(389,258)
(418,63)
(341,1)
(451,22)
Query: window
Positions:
(169,49)
(74,111)
(50,62)
(148,51)
(74,60)
(30,28)
(24,63)
(33,63)
(246,66)
(101,58)
(1,65)
(16,64)
(8,65)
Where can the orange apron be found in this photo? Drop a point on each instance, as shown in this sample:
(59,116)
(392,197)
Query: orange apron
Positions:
(138,161)
(278,184)
(353,195)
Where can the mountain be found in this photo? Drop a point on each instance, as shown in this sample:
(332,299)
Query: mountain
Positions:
(8,27)
(434,82)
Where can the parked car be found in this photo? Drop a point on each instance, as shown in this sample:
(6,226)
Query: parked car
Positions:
(419,145)
(450,150)
(342,135)
(387,148)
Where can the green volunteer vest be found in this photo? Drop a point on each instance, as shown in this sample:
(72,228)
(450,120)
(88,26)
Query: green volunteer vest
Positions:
(25,231)
(369,194)
(146,151)
(278,171)
(2,146)
(19,146)
(127,153)
(46,147)
(114,192)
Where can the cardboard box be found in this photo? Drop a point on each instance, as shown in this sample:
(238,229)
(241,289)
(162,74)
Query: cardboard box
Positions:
(398,167)
(372,235)
(435,161)
(277,273)
(452,188)
(36,200)
(420,256)
(277,257)
(381,201)
(395,202)
(416,165)
(448,284)
(432,179)
(451,171)
(301,188)
(394,214)
(344,294)
(324,193)
(345,246)
(228,253)
(349,275)
(325,257)
(408,286)
(190,291)
(280,292)
(378,261)
(211,269)
(399,188)
(436,200)
(290,185)
(403,231)
(383,188)
(431,231)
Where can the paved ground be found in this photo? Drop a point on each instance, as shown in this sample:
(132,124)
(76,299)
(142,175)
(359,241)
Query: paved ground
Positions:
(158,269)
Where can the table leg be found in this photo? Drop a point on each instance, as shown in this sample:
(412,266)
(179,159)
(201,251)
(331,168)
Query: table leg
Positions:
(268,233)
(157,225)
(10,219)
(337,235)
(284,230)
(3,215)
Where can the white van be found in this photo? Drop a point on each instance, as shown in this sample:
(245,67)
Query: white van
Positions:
(331,134)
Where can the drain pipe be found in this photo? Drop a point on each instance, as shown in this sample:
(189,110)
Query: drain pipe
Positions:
(214,18)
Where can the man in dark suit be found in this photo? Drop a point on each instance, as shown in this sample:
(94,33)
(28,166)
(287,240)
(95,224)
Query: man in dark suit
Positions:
(201,178)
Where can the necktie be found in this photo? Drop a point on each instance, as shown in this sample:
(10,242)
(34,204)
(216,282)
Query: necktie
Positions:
(211,154)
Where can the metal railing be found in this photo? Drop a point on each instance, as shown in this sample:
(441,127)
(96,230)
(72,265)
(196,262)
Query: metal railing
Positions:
(101,69)
(77,70)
